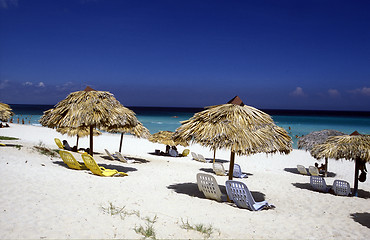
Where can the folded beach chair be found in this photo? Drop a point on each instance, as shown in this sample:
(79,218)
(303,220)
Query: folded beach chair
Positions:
(202,159)
(185,152)
(341,188)
(238,192)
(237,172)
(219,169)
(59,143)
(70,160)
(318,183)
(195,156)
(112,157)
(208,185)
(100,171)
(302,170)
(123,159)
(313,170)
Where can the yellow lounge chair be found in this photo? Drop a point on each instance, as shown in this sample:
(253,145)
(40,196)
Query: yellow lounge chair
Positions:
(70,160)
(97,170)
(59,143)
(185,152)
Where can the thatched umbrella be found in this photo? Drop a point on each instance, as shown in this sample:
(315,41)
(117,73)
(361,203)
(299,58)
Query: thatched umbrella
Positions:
(138,131)
(166,137)
(89,108)
(308,141)
(351,147)
(242,129)
(79,132)
(5,112)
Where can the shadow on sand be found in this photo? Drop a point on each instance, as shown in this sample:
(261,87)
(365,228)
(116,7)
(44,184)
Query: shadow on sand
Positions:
(295,171)
(192,190)
(210,170)
(362,218)
(108,166)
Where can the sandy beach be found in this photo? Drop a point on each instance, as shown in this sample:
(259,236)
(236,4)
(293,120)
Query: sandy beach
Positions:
(41,198)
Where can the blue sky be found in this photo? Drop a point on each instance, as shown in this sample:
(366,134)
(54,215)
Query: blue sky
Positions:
(273,54)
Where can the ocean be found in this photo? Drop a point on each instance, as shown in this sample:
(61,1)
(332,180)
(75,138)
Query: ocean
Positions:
(296,122)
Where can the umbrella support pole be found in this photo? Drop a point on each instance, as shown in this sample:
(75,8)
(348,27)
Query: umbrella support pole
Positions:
(214,155)
(231,167)
(77,142)
(91,140)
(120,143)
(356,177)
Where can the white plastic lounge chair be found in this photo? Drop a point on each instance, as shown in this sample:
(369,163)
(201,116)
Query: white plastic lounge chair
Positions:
(238,172)
(341,188)
(219,169)
(318,183)
(202,159)
(313,170)
(302,170)
(112,157)
(208,185)
(123,159)
(238,192)
(195,156)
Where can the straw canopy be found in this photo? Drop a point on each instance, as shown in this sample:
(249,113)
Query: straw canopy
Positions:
(5,112)
(89,108)
(166,137)
(242,129)
(351,147)
(308,141)
(79,132)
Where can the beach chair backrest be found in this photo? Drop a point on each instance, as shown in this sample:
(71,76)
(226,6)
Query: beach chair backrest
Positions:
(302,170)
(208,185)
(109,155)
(185,152)
(70,160)
(219,169)
(341,188)
(239,193)
(313,170)
(194,155)
(91,164)
(318,183)
(120,157)
(201,158)
(58,143)
(237,172)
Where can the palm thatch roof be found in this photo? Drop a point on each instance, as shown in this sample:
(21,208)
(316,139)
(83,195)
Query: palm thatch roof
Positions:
(346,146)
(80,131)
(166,137)
(89,108)
(242,129)
(5,112)
(308,141)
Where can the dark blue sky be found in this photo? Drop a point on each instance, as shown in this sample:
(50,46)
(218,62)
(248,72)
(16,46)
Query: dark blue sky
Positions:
(273,54)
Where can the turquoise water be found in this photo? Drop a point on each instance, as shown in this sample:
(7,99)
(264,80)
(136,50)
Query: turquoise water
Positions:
(160,119)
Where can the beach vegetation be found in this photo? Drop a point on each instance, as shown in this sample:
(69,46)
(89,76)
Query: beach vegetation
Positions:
(148,230)
(45,151)
(114,210)
(207,231)
(8,138)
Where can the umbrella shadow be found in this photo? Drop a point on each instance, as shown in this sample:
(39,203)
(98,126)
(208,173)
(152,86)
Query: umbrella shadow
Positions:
(362,218)
(191,189)
(118,167)
(218,160)
(306,186)
(210,170)
(363,194)
(295,171)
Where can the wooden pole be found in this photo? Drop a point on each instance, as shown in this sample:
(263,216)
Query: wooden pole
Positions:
(91,140)
(356,177)
(120,143)
(214,155)
(231,167)
(77,141)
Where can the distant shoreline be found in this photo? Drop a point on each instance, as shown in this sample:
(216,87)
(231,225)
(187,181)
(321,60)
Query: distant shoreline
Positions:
(283,112)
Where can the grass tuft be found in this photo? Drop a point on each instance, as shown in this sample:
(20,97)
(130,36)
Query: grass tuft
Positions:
(45,151)
(148,230)
(206,231)
(8,138)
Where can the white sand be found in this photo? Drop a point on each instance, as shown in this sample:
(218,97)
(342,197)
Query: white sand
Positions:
(41,198)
